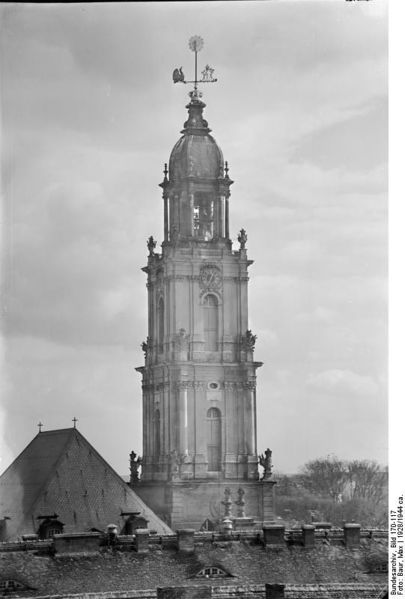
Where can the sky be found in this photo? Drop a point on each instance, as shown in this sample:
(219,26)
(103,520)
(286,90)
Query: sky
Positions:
(89,117)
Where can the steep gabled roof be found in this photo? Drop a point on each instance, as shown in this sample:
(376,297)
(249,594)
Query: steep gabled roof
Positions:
(60,472)
(24,479)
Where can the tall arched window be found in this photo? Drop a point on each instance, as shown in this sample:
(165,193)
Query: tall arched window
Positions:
(214,439)
(157,433)
(161,324)
(203,217)
(210,309)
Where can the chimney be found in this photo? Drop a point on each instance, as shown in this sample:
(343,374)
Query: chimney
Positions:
(185,540)
(275,591)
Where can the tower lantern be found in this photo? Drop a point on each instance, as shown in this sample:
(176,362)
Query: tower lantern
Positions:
(199,377)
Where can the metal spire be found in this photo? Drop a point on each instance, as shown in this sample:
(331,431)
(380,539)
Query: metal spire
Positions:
(196,44)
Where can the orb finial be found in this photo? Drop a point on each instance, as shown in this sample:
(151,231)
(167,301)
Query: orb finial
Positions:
(196,43)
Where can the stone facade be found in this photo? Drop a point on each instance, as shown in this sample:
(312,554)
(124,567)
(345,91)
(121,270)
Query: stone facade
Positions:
(193,502)
(199,377)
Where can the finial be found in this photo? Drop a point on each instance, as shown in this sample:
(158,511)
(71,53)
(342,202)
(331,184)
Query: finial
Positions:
(196,44)
(151,244)
(165,171)
(266,461)
(227,503)
(74,420)
(40,425)
(241,503)
(242,238)
(135,462)
(226,170)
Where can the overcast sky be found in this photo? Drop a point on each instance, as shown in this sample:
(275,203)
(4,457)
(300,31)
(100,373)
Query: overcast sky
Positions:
(90,115)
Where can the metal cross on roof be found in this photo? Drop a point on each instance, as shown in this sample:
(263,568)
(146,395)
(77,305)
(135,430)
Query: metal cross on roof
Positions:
(196,43)
(40,425)
(74,420)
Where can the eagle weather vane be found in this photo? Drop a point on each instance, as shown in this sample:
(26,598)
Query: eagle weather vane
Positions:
(195,44)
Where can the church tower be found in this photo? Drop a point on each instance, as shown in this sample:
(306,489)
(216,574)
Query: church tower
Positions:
(199,377)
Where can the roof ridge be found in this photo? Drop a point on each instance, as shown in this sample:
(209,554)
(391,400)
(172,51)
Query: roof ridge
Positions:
(57,430)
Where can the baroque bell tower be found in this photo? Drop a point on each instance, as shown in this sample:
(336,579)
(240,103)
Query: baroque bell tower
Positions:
(199,377)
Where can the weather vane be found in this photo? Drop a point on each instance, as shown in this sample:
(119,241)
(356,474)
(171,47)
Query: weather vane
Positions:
(207,75)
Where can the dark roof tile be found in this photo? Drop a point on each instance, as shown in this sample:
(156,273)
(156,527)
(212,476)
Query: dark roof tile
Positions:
(60,472)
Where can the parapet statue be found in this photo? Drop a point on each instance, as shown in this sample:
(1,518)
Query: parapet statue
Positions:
(249,341)
(266,462)
(151,243)
(241,503)
(242,238)
(134,466)
(145,346)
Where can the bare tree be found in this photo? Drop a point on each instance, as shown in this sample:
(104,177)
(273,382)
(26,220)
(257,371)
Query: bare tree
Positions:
(327,477)
(366,480)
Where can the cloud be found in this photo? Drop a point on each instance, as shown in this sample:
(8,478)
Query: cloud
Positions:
(90,116)
(358,143)
(75,251)
(54,382)
(343,381)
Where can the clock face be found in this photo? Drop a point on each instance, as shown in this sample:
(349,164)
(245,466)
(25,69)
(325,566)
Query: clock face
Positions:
(210,278)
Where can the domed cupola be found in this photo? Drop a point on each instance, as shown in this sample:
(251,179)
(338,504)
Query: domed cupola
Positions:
(196,154)
(196,184)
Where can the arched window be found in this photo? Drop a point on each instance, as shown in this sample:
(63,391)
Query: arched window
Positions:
(157,433)
(214,439)
(203,217)
(161,324)
(210,309)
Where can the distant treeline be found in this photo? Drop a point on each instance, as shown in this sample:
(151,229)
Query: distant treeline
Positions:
(333,490)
